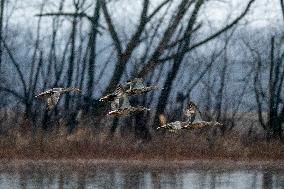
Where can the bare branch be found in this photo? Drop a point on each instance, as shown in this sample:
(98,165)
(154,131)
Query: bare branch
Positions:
(213,36)
(258,101)
(15,63)
(282,8)
(171,29)
(158,9)
(112,30)
(173,44)
(71,14)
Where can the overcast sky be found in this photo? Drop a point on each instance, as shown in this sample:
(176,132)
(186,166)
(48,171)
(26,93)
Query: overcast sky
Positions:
(263,13)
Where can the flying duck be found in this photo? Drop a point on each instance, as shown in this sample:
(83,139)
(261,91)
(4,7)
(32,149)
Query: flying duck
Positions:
(173,126)
(120,105)
(194,119)
(52,96)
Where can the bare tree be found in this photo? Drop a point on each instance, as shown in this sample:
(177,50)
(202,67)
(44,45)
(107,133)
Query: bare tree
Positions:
(268,89)
(77,5)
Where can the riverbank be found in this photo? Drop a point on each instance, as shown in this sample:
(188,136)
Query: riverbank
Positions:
(183,146)
(153,163)
(196,164)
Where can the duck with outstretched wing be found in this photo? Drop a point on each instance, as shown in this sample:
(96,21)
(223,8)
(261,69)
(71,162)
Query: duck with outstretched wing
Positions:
(52,96)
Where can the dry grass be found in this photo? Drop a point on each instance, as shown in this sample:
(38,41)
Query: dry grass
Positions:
(84,143)
(19,141)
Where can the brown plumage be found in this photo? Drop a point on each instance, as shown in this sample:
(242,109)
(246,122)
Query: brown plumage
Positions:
(52,96)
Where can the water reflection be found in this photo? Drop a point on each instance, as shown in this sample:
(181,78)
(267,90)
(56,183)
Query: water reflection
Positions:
(132,177)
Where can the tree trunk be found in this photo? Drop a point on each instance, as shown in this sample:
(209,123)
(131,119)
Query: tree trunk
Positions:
(71,61)
(162,102)
(92,49)
(1,29)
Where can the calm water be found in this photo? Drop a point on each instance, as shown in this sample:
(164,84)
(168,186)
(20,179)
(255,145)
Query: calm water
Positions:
(105,176)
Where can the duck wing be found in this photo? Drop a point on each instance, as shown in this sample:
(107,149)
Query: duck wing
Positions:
(44,95)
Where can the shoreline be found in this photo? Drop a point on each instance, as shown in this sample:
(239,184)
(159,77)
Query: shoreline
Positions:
(154,163)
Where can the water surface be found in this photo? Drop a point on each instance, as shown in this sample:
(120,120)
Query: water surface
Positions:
(130,176)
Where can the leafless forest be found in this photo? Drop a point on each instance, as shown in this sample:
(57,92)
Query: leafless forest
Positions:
(223,55)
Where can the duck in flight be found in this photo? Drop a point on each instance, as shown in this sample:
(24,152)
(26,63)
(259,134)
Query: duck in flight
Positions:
(191,112)
(120,105)
(132,87)
(173,126)
(194,119)
(52,96)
